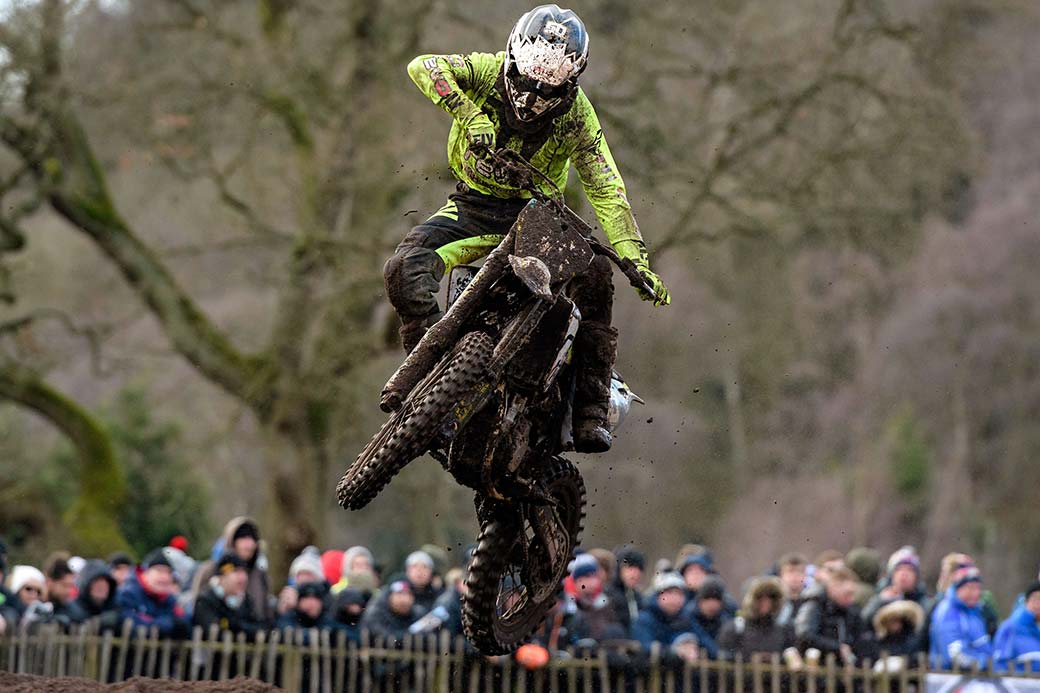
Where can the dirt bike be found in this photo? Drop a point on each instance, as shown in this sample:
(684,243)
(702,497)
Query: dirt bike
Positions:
(488,393)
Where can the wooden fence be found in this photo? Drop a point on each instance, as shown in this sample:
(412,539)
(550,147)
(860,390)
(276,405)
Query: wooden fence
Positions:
(313,661)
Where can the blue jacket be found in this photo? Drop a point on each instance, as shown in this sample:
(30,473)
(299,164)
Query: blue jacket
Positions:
(1017,644)
(653,625)
(958,635)
(146,608)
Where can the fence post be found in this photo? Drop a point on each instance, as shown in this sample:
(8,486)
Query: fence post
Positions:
(124,646)
(258,655)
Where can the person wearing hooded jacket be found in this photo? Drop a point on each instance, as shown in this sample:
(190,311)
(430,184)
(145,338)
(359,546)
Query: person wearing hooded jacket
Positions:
(663,620)
(959,637)
(707,612)
(755,629)
(241,536)
(97,596)
(895,630)
(1017,645)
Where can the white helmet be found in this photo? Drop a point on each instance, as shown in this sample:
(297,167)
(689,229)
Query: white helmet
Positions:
(547,50)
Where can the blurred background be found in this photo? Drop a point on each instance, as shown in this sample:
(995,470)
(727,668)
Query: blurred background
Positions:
(198,197)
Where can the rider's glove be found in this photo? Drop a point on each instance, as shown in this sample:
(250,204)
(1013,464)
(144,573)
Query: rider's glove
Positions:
(636,252)
(481,133)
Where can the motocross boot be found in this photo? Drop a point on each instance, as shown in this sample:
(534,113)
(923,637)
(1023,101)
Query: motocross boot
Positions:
(595,346)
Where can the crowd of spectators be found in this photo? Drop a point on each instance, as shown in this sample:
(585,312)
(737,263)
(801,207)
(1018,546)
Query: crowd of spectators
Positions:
(852,607)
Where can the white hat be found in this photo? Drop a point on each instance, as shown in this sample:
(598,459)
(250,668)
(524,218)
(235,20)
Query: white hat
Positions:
(668,581)
(308,561)
(23,575)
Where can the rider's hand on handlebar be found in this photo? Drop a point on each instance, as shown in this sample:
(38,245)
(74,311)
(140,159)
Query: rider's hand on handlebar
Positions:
(660,297)
(635,252)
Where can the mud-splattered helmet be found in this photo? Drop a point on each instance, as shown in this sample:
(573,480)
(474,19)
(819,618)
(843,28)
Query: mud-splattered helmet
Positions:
(547,50)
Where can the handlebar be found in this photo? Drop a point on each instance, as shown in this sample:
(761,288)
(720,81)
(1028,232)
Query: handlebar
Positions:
(523,173)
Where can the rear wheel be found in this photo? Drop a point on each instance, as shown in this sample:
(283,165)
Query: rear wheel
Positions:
(431,409)
(522,555)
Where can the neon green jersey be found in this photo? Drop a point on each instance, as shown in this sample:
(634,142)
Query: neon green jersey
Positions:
(462,85)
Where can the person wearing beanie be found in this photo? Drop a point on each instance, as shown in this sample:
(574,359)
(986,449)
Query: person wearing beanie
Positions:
(623,591)
(29,587)
(707,614)
(224,602)
(332,565)
(865,562)
(357,560)
(311,610)
(695,569)
(96,598)
(149,598)
(241,536)
(418,571)
(1017,644)
(828,619)
(390,613)
(598,621)
(663,621)
(305,568)
(958,636)
(348,608)
(904,584)
(755,628)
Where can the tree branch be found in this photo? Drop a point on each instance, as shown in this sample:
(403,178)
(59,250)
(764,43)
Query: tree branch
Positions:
(93,517)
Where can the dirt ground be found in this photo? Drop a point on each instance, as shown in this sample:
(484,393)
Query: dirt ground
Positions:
(23,683)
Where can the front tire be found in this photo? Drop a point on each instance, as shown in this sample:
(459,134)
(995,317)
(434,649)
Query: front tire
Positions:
(431,407)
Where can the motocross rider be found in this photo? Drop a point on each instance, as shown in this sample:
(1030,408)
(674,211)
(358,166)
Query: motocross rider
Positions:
(527,99)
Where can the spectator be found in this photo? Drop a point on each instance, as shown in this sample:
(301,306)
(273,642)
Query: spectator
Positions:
(607,562)
(97,596)
(61,587)
(951,564)
(418,571)
(903,576)
(348,608)
(707,614)
(392,612)
(756,628)
(559,630)
(663,622)
(30,590)
(305,568)
(959,637)
(825,564)
(447,610)
(357,560)
(791,570)
(1017,645)
(148,598)
(865,563)
(122,566)
(310,611)
(224,603)
(623,592)
(895,630)
(598,621)
(828,619)
(241,536)
(695,569)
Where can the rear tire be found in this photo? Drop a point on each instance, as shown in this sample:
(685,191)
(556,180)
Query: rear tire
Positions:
(430,408)
(513,579)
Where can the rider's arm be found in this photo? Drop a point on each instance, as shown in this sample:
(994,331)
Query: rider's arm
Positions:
(600,177)
(445,79)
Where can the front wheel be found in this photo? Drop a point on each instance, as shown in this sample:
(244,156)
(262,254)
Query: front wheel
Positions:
(433,406)
(522,555)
